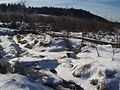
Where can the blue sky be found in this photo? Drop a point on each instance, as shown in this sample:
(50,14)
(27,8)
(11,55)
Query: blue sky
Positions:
(109,9)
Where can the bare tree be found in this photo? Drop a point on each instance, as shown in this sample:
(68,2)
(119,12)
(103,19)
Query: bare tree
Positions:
(95,46)
(23,3)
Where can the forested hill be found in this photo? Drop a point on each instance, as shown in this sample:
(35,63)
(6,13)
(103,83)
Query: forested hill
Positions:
(77,13)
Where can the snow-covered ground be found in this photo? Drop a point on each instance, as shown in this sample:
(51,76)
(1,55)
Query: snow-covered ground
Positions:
(19,82)
(45,15)
(47,61)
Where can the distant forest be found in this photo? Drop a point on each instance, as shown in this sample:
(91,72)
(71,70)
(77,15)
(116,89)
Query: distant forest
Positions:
(19,16)
(78,13)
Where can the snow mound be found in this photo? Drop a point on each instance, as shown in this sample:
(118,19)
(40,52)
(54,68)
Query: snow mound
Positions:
(19,82)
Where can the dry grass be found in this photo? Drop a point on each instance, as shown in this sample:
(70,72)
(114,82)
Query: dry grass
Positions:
(42,50)
(63,57)
(101,74)
(77,51)
(82,69)
(101,86)
(19,37)
(44,43)
(29,46)
(94,82)
(23,42)
(35,42)
(86,67)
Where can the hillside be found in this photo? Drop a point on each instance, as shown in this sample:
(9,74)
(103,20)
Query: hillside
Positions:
(77,13)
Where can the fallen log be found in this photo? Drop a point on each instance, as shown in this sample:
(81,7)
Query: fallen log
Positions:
(116,45)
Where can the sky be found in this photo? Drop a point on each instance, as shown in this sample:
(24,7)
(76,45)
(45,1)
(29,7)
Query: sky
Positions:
(109,9)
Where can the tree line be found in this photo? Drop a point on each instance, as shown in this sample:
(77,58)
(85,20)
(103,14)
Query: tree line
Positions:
(78,13)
